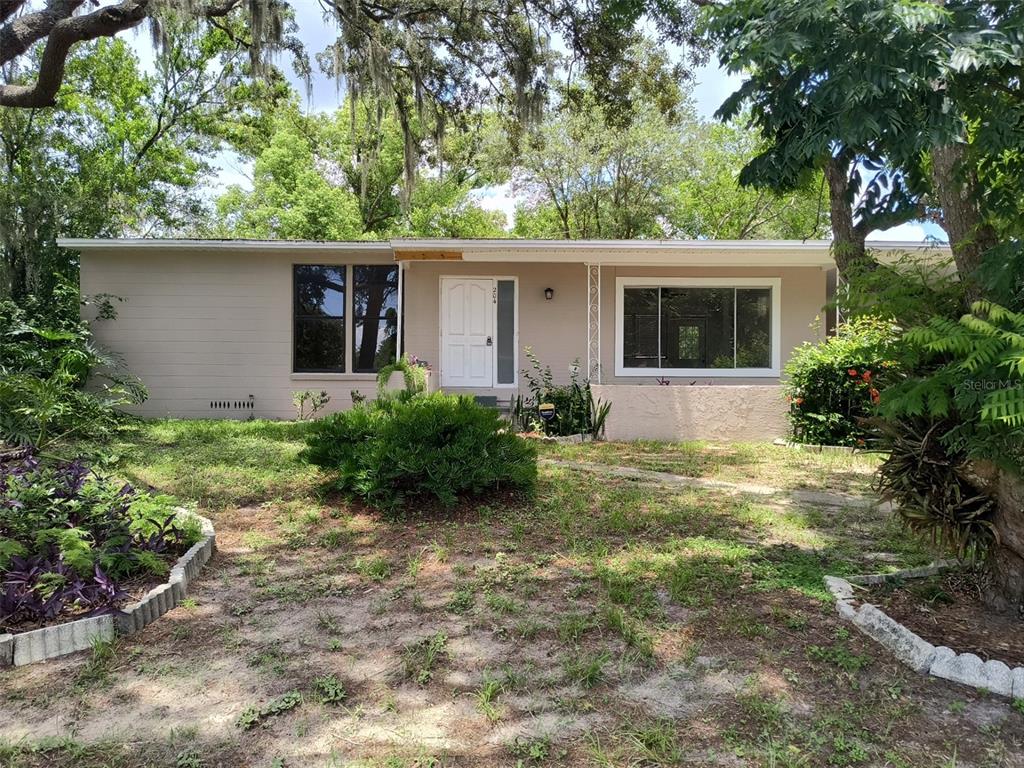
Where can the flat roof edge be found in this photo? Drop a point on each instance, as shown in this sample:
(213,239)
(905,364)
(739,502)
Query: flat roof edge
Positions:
(808,247)
(79,243)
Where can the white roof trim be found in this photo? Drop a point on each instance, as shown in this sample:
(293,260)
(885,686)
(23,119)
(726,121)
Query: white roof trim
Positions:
(696,253)
(130,243)
(647,245)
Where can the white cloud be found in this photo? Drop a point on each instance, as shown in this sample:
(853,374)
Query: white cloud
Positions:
(911,232)
(498,198)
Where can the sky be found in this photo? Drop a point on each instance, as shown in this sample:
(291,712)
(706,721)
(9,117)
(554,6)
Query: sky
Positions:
(712,86)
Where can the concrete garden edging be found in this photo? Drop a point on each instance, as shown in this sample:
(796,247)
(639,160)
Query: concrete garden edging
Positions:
(79,635)
(816,447)
(914,651)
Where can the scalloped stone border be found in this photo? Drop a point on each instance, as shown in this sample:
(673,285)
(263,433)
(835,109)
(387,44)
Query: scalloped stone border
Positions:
(914,651)
(815,447)
(62,639)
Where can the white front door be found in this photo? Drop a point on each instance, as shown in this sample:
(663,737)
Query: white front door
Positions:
(467,332)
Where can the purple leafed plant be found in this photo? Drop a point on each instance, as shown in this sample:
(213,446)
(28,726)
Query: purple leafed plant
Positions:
(58,522)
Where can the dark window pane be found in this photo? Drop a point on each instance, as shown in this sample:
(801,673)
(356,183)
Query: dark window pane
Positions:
(319,319)
(640,328)
(319,291)
(375,307)
(374,343)
(697,327)
(376,290)
(319,345)
(753,327)
(506,331)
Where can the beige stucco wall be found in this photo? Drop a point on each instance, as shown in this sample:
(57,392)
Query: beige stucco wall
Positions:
(709,412)
(215,325)
(556,330)
(212,325)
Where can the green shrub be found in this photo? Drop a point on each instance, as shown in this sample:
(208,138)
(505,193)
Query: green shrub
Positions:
(396,449)
(833,384)
(575,409)
(961,403)
(69,535)
(47,356)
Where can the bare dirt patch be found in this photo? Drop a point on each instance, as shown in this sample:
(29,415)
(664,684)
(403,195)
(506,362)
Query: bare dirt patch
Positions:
(604,623)
(949,610)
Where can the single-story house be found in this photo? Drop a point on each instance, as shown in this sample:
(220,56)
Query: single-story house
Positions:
(686,339)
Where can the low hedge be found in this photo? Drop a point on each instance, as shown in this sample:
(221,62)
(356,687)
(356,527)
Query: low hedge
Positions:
(437,446)
(834,384)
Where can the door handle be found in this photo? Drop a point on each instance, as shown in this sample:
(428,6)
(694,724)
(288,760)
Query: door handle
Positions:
(489,342)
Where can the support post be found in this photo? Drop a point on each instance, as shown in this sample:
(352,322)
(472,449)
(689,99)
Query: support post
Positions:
(399,342)
(594,323)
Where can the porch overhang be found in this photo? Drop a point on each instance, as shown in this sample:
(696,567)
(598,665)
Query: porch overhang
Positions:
(623,253)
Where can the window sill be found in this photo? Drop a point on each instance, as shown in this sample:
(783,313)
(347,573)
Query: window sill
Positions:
(703,373)
(333,376)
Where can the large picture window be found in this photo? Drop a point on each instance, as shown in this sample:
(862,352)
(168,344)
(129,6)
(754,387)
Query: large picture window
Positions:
(375,313)
(319,323)
(697,326)
(334,303)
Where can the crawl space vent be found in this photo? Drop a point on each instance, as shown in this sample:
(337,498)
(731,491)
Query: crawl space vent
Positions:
(246,405)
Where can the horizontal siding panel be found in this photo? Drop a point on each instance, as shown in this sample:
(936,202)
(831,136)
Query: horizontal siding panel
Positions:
(190,300)
(192,335)
(192,322)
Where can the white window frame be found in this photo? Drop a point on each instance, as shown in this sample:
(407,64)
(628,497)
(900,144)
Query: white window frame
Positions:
(774,283)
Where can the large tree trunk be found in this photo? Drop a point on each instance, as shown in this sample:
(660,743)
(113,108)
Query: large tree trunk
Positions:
(848,247)
(969,236)
(1007,558)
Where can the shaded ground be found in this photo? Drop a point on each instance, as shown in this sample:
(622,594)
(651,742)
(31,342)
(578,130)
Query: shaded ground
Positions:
(948,610)
(606,623)
(760,463)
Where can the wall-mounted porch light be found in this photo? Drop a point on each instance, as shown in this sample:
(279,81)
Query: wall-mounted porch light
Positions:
(549,293)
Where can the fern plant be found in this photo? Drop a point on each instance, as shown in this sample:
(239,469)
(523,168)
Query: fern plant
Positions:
(972,369)
(963,403)
(413,372)
(47,357)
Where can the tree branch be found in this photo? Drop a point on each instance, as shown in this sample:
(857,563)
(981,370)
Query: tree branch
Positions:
(61,36)
(19,35)
(8,7)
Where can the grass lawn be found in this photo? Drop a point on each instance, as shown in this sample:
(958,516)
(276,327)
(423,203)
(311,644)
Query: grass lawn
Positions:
(606,622)
(759,463)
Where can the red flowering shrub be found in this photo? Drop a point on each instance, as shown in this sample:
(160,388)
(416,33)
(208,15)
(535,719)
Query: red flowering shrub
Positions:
(833,384)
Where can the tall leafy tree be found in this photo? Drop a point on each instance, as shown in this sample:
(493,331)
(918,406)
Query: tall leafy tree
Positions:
(645,166)
(335,177)
(290,199)
(122,154)
(584,178)
(914,109)
(901,104)
(709,202)
(432,62)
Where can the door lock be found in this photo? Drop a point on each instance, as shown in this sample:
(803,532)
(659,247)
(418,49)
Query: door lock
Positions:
(489,342)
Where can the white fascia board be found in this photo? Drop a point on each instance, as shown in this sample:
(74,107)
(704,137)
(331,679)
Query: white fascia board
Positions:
(151,244)
(622,245)
(675,258)
(638,253)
